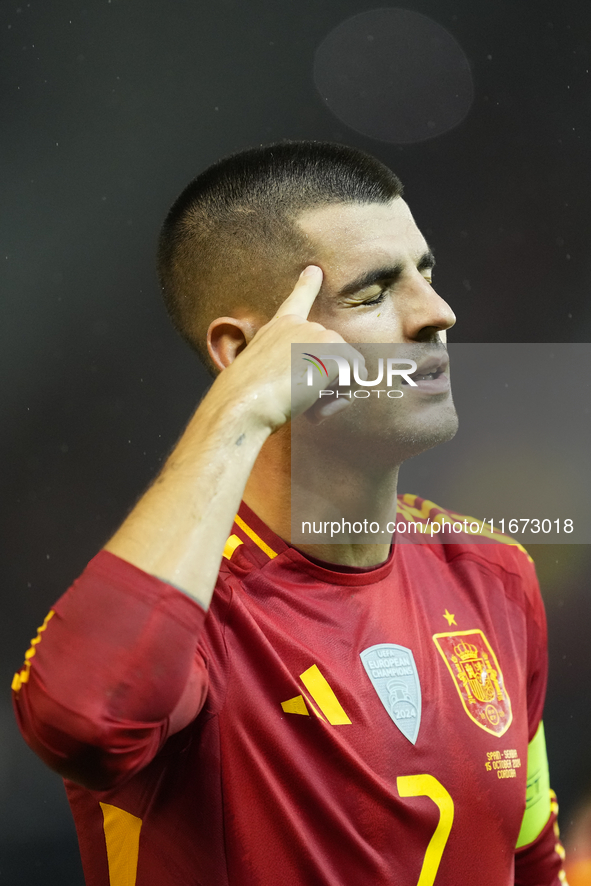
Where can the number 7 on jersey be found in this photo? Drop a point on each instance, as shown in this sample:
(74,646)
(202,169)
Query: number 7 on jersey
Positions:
(428,786)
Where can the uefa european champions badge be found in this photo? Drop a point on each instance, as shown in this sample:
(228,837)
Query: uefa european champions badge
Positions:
(394,676)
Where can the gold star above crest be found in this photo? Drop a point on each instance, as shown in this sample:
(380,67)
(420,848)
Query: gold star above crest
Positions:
(451,619)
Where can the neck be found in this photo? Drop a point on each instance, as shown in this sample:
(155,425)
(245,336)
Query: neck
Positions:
(368,492)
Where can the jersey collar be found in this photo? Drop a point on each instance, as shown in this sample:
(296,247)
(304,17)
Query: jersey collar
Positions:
(264,547)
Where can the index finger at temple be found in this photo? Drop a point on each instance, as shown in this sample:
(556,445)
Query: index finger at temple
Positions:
(304,293)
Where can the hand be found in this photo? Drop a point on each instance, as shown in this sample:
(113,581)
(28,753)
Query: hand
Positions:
(262,372)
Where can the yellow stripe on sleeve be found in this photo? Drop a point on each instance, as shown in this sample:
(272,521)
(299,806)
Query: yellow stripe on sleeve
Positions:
(22,676)
(122,836)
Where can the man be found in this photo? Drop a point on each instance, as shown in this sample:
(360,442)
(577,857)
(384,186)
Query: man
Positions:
(346,714)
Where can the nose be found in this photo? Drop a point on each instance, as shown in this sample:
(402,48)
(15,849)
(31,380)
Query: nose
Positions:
(428,314)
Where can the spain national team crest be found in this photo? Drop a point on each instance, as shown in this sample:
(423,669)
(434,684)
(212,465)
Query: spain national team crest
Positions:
(478,678)
(393,673)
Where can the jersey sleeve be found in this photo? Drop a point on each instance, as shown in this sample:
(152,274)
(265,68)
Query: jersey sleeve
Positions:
(113,671)
(539,854)
(540,863)
(537,650)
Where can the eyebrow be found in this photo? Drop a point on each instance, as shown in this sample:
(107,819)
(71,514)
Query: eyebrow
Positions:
(386,272)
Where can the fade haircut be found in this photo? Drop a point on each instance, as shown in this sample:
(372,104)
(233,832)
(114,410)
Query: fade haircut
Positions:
(231,242)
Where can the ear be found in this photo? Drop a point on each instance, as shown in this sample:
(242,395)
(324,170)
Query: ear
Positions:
(227,336)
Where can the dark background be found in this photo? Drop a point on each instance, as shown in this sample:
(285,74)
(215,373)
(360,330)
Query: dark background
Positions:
(109,109)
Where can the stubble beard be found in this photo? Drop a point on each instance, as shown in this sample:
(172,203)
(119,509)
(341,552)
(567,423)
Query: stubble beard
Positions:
(386,437)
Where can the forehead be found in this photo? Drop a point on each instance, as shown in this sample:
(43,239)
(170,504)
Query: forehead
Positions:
(351,236)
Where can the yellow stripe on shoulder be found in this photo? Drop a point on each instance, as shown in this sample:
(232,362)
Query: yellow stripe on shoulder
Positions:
(256,538)
(408,508)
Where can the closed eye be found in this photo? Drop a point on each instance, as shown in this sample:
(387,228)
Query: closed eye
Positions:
(379,298)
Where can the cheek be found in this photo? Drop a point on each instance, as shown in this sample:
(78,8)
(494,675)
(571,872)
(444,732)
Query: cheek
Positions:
(379,325)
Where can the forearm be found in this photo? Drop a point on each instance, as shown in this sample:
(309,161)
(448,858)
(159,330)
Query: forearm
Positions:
(116,664)
(113,671)
(178,529)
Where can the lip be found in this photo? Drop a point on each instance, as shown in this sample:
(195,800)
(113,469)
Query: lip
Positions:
(436,365)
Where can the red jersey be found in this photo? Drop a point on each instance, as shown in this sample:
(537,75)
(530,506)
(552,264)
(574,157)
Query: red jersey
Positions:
(320,727)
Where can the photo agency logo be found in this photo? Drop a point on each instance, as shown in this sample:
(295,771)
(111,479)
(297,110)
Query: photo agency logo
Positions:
(514,419)
(389,372)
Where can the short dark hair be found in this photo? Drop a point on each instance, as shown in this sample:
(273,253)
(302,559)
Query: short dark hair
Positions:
(236,221)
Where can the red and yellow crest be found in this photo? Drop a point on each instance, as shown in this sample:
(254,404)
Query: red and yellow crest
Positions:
(478,678)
